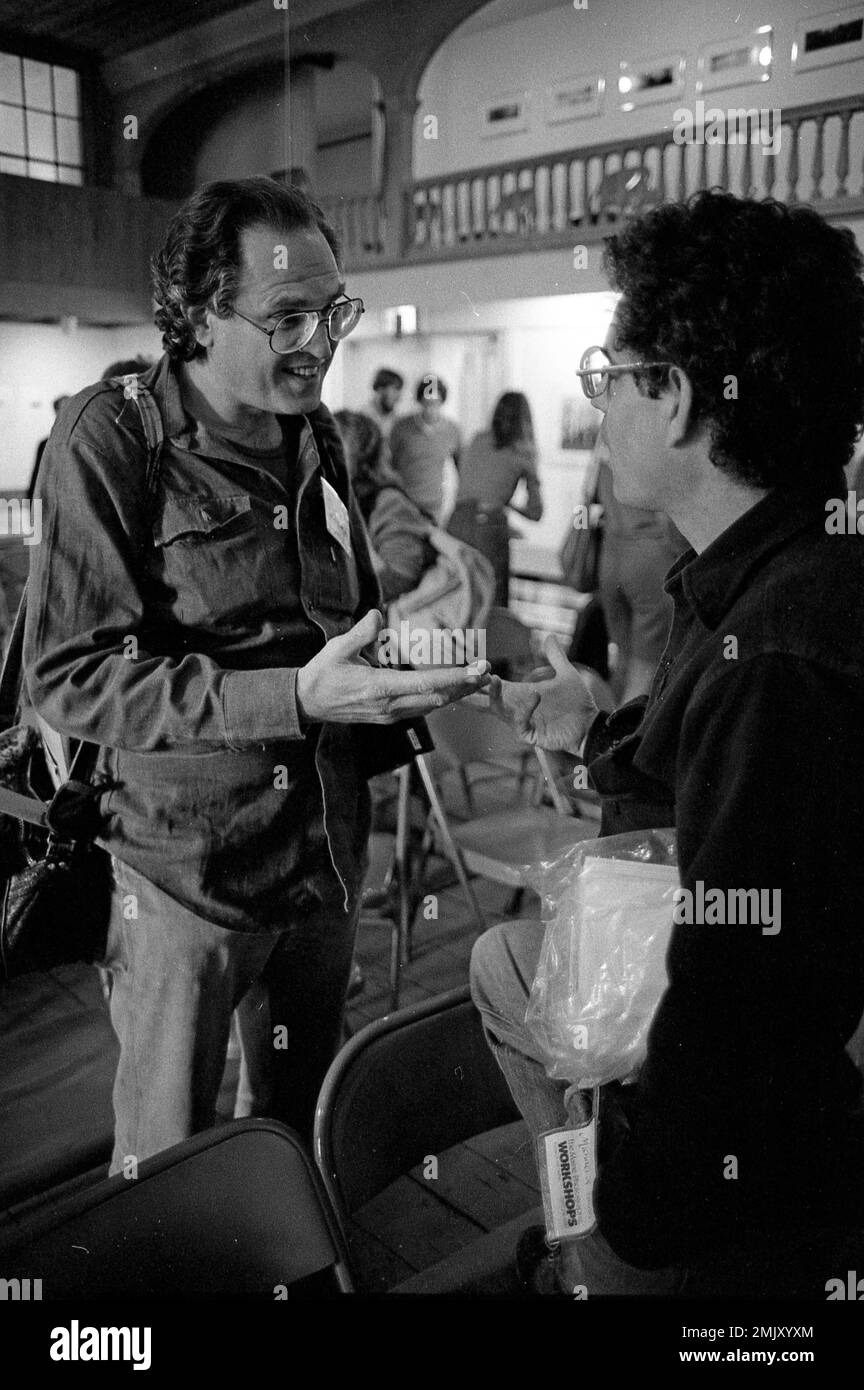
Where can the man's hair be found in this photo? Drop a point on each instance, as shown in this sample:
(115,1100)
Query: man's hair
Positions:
(200,258)
(762,306)
(431,388)
(385,376)
(126,367)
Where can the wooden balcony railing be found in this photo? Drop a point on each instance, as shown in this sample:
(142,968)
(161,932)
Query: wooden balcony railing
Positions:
(577,196)
(361,225)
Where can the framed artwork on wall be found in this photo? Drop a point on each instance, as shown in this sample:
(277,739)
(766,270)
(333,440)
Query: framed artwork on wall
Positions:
(826,39)
(574,97)
(579,426)
(655,79)
(505,114)
(736,62)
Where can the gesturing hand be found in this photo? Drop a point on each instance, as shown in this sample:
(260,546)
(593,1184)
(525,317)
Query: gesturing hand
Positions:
(340,686)
(554,714)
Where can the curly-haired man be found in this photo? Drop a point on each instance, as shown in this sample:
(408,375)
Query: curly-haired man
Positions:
(732,392)
(207,633)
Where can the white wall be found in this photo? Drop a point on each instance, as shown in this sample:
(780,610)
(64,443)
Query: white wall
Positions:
(529,54)
(39,362)
(251,137)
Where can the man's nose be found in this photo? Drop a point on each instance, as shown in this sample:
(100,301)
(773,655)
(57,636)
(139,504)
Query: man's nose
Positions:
(319,345)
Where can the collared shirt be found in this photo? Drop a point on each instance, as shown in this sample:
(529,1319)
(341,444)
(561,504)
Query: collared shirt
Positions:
(170,631)
(745,1116)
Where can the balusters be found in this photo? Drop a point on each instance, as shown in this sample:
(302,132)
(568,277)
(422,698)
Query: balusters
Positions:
(661,170)
(769,171)
(747,164)
(818,160)
(842,166)
(725,180)
(463,209)
(682,173)
(792,172)
(543,198)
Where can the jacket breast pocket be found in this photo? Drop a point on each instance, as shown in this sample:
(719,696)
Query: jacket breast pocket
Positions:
(338,586)
(216,557)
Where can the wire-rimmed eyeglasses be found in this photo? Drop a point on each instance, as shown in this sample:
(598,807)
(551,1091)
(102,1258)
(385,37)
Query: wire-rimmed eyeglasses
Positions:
(296,331)
(596,371)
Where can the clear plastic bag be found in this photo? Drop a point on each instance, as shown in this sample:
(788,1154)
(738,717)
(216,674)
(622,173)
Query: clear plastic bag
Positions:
(602,969)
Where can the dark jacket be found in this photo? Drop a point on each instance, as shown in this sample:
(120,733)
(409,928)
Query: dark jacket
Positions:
(752,743)
(170,632)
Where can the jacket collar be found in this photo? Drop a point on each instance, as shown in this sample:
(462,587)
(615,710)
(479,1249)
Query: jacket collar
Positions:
(711,582)
(319,442)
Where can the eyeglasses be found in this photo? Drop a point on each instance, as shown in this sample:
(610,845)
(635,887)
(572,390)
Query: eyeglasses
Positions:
(596,371)
(296,331)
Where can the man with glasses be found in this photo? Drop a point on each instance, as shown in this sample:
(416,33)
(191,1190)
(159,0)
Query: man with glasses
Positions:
(731,387)
(205,621)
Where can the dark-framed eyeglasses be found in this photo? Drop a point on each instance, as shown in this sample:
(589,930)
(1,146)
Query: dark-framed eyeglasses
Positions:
(295,331)
(596,371)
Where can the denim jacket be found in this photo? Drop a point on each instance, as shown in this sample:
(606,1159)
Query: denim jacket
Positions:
(169,630)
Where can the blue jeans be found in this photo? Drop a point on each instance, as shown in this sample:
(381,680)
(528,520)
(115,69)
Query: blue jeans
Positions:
(503,964)
(177,979)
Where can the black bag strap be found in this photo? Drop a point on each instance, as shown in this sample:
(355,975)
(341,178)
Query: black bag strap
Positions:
(83,762)
(10,676)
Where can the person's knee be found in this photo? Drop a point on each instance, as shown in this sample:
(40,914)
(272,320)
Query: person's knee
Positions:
(484,969)
(503,962)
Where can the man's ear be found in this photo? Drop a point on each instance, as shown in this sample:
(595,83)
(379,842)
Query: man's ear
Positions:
(201,318)
(678,402)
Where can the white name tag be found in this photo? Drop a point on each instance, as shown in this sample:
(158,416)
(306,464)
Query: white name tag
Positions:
(336,515)
(568,1166)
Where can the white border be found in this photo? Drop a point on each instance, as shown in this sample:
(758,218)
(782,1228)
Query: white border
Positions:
(513,124)
(592,107)
(744,73)
(826,57)
(629,100)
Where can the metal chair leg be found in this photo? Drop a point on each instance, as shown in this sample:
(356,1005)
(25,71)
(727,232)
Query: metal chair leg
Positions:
(453,850)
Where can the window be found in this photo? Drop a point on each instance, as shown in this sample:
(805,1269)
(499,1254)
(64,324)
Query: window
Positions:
(40,120)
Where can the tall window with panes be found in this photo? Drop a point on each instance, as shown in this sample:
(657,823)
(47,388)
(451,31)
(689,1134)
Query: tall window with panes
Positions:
(40,120)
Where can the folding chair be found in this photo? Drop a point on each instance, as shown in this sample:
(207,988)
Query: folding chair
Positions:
(413,1083)
(509,647)
(500,845)
(235,1212)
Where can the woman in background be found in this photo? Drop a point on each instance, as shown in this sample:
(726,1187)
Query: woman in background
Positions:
(491,469)
(398,530)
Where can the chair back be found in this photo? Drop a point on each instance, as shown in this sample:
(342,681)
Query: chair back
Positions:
(236,1212)
(508,642)
(466,734)
(411,1084)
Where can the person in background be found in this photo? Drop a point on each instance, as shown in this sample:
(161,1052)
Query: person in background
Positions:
(40,447)
(421,444)
(639,547)
(496,461)
(386,394)
(398,530)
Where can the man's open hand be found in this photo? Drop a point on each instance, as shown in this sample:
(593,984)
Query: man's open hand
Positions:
(554,714)
(339,686)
